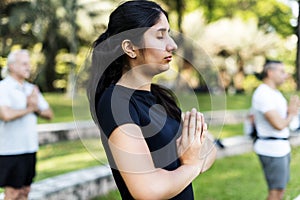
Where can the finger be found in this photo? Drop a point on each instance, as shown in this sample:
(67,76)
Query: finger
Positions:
(184,136)
(178,141)
(198,127)
(182,116)
(192,125)
(204,132)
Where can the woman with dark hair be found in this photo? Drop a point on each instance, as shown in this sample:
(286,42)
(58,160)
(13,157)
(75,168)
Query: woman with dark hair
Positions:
(152,152)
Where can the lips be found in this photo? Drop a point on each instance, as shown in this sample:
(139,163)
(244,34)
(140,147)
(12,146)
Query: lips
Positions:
(168,58)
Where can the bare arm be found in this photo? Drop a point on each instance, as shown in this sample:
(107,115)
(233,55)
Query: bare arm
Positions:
(136,166)
(9,114)
(277,121)
(46,114)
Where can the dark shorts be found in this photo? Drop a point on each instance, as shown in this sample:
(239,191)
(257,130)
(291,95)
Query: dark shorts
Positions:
(17,170)
(277,170)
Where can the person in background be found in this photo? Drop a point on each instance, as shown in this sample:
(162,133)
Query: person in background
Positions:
(152,154)
(20,105)
(272,116)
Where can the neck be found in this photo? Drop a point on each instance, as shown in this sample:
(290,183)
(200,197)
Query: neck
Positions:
(20,80)
(270,83)
(135,81)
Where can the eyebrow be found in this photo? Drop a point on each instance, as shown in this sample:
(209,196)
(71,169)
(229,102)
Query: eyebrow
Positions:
(163,30)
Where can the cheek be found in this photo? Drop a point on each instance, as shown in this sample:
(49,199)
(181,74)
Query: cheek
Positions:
(152,55)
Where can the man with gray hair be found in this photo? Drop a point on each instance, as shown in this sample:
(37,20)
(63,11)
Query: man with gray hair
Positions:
(20,104)
(272,116)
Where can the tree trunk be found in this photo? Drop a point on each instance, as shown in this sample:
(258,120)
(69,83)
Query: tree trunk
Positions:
(73,43)
(50,49)
(298,50)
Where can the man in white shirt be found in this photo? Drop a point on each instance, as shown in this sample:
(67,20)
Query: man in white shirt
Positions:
(272,115)
(20,104)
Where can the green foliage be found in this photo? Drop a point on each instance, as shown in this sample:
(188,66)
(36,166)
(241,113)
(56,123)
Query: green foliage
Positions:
(250,83)
(272,15)
(63,28)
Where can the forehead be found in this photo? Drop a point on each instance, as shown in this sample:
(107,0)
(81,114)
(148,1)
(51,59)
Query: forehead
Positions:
(274,66)
(162,24)
(22,57)
(279,66)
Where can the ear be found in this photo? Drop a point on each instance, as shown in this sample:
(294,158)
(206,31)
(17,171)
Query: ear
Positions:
(128,48)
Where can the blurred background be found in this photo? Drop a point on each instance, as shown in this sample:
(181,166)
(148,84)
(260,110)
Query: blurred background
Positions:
(223,46)
(237,35)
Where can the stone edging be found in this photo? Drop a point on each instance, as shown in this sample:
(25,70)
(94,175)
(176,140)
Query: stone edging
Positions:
(81,184)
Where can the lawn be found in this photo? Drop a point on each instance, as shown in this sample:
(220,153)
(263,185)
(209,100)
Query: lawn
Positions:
(64,107)
(62,157)
(61,106)
(229,178)
(236,178)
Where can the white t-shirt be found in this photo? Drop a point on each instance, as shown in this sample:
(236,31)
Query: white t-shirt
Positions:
(265,99)
(18,136)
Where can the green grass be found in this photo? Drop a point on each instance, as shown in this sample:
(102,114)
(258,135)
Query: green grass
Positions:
(236,178)
(227,130)
(230,178)
(61,106)
(64,110)
(62,157)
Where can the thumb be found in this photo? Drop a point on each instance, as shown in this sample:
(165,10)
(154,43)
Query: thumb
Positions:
(178,141)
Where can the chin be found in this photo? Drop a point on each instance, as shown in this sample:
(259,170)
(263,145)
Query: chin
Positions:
(164,67)
(26,77)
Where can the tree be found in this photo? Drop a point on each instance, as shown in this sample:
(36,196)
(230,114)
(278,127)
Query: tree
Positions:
(298,49)
(272,15)
(15,25)
(60,26)
(235,45)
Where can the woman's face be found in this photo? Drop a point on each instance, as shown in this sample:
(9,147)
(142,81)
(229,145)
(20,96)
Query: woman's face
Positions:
(157,49)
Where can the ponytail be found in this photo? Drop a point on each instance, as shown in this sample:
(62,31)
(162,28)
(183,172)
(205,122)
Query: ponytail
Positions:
(106,68)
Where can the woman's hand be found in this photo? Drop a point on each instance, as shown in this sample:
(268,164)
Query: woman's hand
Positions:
(194,148)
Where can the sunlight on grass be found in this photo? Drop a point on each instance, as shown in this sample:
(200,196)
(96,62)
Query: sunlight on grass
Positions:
(66,163)
(229,178)
(68,156)
(235,178)
(227,130)
(61,106)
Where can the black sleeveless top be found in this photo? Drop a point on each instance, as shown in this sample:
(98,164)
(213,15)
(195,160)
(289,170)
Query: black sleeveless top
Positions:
(119,105)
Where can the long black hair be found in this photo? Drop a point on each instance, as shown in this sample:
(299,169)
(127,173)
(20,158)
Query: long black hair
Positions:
(130,20)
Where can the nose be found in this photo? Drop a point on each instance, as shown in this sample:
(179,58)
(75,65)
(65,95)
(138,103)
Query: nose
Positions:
(171,46)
